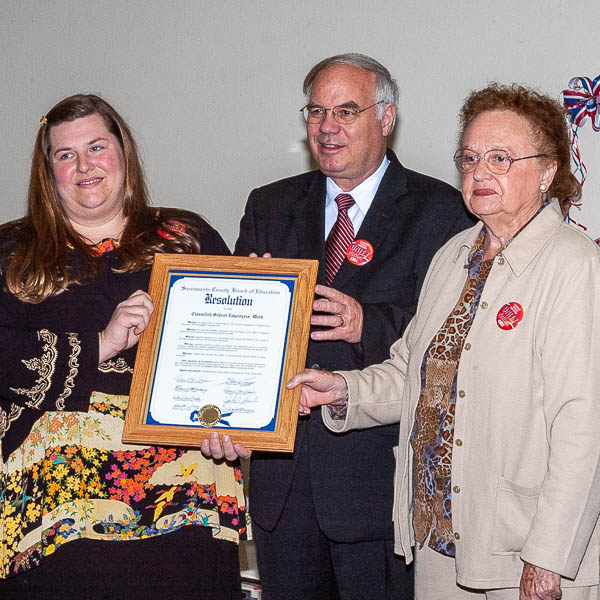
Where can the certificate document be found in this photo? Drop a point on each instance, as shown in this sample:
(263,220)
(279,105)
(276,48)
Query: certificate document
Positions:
(226,334)
(221,350)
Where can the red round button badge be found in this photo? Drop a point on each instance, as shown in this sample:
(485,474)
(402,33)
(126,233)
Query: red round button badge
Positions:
(359,252)
(509,316)
(174,226)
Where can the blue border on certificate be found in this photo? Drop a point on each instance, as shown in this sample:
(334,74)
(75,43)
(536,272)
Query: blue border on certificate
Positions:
(174,275)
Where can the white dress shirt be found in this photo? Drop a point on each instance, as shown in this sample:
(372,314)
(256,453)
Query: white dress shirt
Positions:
(363,195)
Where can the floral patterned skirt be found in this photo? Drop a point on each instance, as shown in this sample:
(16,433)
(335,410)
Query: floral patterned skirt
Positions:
(73,478)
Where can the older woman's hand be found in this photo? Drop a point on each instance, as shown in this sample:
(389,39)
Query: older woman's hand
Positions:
(539,584)
(128,321)
(318,388)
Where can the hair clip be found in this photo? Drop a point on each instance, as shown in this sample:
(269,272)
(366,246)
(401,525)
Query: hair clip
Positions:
(44,120)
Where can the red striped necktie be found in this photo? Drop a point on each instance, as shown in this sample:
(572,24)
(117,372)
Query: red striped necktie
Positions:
(340,237)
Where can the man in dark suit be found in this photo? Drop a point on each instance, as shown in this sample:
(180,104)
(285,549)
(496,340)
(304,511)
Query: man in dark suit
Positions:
(322,517)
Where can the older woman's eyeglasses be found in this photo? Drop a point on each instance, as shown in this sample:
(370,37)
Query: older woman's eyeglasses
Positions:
(497,161)
(344,115)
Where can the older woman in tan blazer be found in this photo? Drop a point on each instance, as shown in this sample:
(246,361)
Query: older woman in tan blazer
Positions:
(496,382)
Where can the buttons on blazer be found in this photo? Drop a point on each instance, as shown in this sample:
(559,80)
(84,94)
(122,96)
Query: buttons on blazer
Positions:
(501,261)
(456,535)
(468,346)
(484,305)
(458,442)
(461,393)
(456,489)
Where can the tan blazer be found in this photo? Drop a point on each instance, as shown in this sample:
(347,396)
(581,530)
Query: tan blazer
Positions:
(525,463)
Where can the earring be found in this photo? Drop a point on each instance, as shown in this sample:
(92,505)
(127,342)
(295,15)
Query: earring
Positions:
(543,187)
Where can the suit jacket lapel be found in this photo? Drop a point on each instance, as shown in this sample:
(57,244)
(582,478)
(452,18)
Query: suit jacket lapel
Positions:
(309,216)
(380,216)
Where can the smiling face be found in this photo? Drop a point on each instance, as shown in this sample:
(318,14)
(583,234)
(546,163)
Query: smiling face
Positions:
(348,153)
(89,169)
(508,200)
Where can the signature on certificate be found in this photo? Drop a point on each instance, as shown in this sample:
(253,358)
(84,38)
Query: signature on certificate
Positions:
(241,382)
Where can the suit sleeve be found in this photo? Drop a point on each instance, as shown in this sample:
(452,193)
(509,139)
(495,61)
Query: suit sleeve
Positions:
(212,242)
(247,241)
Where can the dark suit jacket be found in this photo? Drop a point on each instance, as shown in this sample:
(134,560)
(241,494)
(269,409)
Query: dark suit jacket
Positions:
(412,215)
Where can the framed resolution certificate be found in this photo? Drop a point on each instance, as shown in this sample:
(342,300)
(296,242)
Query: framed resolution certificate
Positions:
(225,336)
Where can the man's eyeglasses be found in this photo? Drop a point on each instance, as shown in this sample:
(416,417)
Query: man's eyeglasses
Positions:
(497,161)
(344,115)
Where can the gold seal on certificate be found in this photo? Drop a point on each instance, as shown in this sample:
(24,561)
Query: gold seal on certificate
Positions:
(226,335)
(209,415)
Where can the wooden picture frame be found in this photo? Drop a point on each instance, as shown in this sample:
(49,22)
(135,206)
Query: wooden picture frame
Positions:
(226,335)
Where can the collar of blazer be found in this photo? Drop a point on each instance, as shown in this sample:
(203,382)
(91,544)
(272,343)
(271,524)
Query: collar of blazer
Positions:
(309,216)
(309,221)
(380,217)
(527,245)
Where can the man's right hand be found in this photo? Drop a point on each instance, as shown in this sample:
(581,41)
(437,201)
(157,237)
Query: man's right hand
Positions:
(342,313)
(318,388)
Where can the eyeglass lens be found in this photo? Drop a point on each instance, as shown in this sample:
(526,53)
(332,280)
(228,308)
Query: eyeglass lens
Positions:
(342,114)
(498,161)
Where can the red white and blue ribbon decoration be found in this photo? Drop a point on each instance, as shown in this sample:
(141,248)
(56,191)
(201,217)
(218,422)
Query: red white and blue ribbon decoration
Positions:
(582,100)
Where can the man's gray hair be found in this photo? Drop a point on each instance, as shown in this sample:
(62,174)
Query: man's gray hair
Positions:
(386,88)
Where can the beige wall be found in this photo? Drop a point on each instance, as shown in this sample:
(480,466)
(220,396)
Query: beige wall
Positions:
(212,89)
